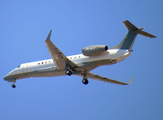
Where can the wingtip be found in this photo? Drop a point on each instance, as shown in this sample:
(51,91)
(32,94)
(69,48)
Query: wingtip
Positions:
(48,38)
(131,80)
(154,36)
(125,21)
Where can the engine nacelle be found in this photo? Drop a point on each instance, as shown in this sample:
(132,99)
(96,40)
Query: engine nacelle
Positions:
(94,50)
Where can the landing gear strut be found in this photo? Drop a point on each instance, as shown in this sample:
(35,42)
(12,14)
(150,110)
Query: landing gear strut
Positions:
(85,80)
(13,85)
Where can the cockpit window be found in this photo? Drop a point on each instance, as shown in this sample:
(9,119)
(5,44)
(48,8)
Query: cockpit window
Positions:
(19,66)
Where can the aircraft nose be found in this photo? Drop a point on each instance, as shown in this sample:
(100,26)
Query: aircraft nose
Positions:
(9,75)
(6,77)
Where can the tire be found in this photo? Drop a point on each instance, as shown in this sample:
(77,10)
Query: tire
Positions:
(13,86)
(68,72)
(85,81)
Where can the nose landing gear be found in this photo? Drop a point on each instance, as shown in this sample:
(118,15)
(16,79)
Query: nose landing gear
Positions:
(13,85)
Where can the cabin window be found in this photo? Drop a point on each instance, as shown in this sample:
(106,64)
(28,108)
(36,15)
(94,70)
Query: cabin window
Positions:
(74,57)
(38,63)
(79,56)
(45,61)
(42,62)
(49,61)
(70,57)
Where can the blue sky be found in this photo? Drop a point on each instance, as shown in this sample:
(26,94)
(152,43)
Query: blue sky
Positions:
(76,24)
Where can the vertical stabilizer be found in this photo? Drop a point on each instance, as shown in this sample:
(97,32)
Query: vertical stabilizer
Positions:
(129,39)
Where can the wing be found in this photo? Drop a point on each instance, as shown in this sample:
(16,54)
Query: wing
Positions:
(60,60)
(104,79)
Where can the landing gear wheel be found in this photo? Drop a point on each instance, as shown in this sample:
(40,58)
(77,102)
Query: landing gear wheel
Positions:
(13,86)
(85,81)
(68,72)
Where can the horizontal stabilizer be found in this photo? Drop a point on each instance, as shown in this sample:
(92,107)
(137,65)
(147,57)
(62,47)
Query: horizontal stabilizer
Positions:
(133,28)
(146,34)
(130,26)
(129,39)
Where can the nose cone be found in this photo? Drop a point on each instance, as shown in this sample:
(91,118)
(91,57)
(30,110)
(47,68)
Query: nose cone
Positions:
(10,76)
(5,78)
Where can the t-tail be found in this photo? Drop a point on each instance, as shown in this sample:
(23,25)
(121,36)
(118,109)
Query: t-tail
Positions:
(129,39)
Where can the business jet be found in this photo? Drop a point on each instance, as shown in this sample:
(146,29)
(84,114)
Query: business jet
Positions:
(81,64)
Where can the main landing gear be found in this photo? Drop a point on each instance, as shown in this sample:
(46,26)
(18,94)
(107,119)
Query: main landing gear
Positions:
(85,80)
(68,72)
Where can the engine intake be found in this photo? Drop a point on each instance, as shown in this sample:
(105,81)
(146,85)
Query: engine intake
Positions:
(94,50)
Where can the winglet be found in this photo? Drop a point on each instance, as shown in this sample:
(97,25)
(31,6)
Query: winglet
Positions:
(131,80)
(48,38)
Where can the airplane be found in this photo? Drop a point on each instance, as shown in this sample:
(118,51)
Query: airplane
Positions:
(81,64)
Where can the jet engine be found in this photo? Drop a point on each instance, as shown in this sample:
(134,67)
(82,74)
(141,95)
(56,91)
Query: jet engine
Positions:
(94,50)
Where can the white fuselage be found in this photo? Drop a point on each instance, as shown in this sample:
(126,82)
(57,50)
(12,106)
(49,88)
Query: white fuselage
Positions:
(47,68)
(81,64)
